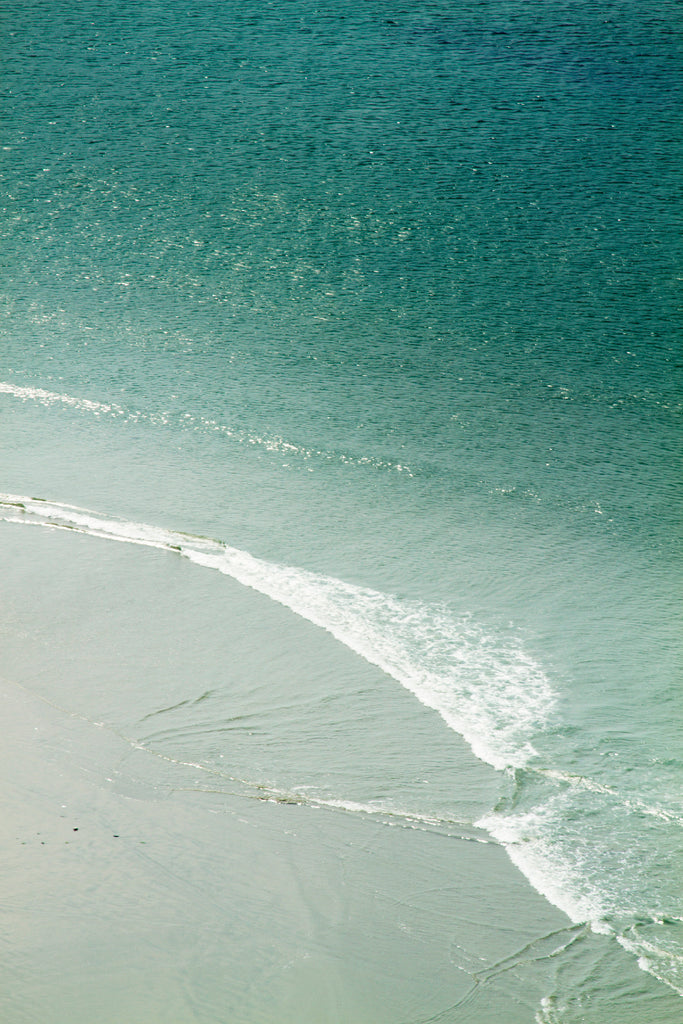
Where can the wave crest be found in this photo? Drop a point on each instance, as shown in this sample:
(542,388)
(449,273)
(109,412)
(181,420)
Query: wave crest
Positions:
(485,688)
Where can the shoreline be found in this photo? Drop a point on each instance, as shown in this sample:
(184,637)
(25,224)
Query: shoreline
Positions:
(145,886)
(108,869)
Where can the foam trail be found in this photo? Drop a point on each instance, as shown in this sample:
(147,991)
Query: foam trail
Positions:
(486,690)
(526,837)
(565,868)
(187,421)
(48,398)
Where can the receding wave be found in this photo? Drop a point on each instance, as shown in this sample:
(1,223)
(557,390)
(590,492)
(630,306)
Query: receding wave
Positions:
(598,875)
(486,689)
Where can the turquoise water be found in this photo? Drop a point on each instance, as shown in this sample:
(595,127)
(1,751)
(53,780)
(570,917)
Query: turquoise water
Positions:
(383,303)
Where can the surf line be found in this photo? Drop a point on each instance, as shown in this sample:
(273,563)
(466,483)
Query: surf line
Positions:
(493,695)
(189,422)
(489,691)
(54,398)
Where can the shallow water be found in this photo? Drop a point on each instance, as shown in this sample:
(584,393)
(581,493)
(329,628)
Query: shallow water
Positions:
(357,332)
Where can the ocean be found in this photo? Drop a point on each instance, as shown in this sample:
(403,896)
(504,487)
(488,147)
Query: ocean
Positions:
(340,383)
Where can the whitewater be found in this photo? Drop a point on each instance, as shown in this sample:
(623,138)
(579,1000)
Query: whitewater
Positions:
(486,689)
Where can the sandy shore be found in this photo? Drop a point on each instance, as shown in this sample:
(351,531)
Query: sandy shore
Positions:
(143,888)
(163,905)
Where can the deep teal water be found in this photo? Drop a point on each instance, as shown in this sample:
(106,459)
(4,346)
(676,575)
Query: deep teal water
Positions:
(389,297)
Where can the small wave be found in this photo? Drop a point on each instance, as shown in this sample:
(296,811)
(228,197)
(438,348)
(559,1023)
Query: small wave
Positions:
(387,814)
(583,876)
(647,940)
(187,421)
(487,690)
(48,398)
(631,803)
(529,845)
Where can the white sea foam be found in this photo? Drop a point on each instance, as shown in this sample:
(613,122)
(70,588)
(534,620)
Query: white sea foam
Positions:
(630,803)
(566,870)
(666,967)
(527,837)
(487,690)
(549,1013)
(387,814)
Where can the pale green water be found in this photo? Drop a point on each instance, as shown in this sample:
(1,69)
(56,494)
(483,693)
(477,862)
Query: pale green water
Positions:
(387,298)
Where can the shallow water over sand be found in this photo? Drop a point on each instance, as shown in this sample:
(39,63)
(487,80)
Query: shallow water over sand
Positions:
(340,410)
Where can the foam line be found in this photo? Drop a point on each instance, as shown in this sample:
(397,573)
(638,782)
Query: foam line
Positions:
(488,691)
(187,421)
(47,398)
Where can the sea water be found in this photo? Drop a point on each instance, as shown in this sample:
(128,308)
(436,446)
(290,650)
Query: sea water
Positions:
(373,311)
